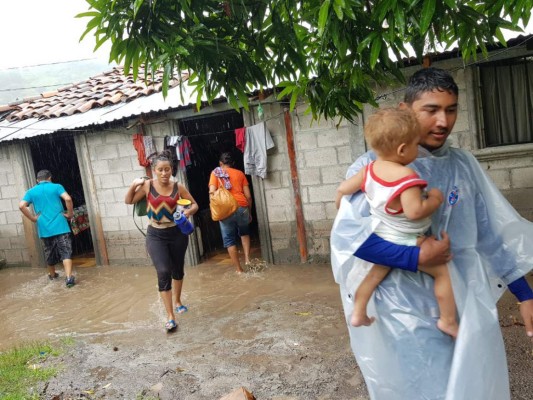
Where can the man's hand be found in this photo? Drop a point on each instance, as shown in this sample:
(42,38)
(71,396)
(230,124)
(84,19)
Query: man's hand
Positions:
(526,311)
(435,252)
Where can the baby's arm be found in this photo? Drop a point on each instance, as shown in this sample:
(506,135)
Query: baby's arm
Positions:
(349,186)
(417,206)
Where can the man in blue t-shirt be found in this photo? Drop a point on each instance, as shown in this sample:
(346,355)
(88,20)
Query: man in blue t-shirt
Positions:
(52,222)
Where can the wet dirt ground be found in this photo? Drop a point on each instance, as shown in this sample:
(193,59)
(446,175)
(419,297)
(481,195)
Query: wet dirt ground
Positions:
(279,332)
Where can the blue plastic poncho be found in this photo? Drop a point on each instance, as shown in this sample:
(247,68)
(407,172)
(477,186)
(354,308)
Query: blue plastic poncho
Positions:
(402,355)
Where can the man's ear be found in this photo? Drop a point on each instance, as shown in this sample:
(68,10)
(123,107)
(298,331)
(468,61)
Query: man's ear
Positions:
(403,105)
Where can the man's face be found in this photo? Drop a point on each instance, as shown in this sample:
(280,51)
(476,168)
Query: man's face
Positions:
(436,112)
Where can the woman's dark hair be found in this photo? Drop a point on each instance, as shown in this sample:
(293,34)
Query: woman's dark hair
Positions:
(428,80)
(226,159)
(165,155)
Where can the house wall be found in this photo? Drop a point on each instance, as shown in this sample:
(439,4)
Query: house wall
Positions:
(324,150)
(323,153)
(13,244)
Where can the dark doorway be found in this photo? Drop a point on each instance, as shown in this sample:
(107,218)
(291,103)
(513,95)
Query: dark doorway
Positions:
(57,154)
(210,136)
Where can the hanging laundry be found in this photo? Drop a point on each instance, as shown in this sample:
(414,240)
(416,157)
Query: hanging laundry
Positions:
(258,141)
(149,146)
(172,141)
(185,151)
(138,143)
(240,138)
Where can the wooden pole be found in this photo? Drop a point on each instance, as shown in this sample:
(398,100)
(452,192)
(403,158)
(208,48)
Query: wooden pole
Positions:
(300,221)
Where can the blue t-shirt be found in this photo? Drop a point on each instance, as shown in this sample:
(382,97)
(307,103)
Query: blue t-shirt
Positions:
(46,200)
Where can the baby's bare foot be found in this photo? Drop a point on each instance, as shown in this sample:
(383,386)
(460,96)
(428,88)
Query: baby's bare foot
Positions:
(449,328)
(361,320)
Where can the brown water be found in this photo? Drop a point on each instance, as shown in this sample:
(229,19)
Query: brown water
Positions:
(124,300)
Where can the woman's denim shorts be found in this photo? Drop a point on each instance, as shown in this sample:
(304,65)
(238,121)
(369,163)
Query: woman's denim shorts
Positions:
(237,223)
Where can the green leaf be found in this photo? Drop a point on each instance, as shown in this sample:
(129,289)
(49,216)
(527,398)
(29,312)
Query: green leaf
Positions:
(136,6)
(323,17)
(374,52)
(427,15)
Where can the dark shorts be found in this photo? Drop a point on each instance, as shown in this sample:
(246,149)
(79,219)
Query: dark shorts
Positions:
(378,251)
(57,248)
(236,224)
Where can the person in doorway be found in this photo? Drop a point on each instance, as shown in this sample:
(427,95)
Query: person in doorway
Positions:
(52,222)
(399,205)
(237,224)
(403,355)
(165,243)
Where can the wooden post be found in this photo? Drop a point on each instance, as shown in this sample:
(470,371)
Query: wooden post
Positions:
(300,222)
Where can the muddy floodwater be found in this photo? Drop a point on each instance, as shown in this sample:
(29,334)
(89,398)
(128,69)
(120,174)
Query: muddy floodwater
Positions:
(279,332)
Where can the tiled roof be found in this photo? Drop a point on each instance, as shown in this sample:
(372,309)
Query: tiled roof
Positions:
(102,90)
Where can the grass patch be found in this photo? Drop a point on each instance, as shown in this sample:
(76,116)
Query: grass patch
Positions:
(22,367)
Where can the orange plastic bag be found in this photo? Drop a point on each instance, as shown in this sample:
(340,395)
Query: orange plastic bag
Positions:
(222,204)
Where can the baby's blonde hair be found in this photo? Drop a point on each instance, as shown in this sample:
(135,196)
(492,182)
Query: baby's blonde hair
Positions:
(388,128)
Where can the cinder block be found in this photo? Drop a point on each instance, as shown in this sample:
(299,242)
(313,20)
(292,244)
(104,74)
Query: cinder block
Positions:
(13,256)
(314,212)
(334,174)
(277,162)
(106,152)
(117,210)
(309,176)
(278,198)
(333,138)
(272,180)
(321,157)
(522,178)
(331,210)
(110,224)
(321,228)
(120,164)
(306,140)
(129,177)
(110,181)
(5,243)
(501,178)
(115,252)
(100,167)
(6,205)
(323,193)
(344,155)
(8,192)
(113,137)
(277,214)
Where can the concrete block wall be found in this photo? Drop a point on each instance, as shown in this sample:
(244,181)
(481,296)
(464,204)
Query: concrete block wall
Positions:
(324,152)
(13,246)
(114,166)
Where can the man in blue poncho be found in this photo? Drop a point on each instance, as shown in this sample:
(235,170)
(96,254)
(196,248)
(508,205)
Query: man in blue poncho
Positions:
(403,356)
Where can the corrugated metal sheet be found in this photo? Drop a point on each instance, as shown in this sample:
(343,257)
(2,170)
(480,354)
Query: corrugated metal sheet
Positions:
(154,103)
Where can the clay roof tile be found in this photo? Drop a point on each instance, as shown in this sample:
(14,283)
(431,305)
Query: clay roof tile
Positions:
(107,88)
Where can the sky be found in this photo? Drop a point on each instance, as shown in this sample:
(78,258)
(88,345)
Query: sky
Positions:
(36,32)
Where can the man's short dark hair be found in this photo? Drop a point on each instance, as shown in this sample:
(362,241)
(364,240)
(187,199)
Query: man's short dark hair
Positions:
(43,175)
(428,80)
